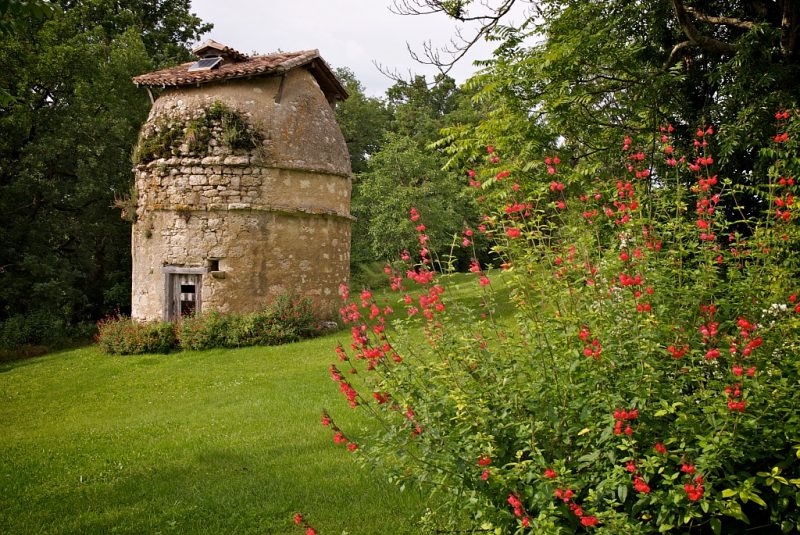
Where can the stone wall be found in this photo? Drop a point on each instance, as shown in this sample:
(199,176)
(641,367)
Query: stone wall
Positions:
(268,220)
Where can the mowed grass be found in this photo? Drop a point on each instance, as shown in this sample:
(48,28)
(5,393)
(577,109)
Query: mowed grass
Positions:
(221,441)
(225,441)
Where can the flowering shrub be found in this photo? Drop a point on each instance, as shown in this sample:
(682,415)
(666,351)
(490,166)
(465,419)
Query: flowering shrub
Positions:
(647,379)
(124,336)
(286,319)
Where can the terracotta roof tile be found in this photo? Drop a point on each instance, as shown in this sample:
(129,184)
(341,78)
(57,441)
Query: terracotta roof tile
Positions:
(271,64)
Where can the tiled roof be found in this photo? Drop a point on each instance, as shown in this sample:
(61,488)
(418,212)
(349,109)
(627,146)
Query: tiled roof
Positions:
(271,64)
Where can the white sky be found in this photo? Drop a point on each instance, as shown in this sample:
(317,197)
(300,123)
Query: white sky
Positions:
(348,33)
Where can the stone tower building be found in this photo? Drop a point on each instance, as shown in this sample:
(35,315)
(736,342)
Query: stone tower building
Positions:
(242,185)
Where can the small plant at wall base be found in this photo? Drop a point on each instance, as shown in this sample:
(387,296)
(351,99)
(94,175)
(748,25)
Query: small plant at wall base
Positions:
(648,378)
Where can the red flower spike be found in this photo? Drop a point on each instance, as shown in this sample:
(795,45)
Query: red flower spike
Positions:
(639,485)
(589,521)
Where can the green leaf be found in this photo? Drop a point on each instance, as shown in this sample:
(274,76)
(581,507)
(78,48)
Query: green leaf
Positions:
(716,526)
(622,492)
(727,493)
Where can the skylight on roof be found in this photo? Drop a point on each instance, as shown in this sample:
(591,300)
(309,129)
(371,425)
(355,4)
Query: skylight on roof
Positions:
(205,64)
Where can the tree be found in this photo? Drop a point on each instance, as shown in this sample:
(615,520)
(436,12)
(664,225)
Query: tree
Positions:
(363,120)
(68,129)
(403,175)
(420,110)
(407,172)
(599,70)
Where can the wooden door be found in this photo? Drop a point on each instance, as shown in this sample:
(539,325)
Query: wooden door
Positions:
(184,298)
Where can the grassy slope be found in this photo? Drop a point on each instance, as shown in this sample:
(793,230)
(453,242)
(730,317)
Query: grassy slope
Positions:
(195,442)
(225,441)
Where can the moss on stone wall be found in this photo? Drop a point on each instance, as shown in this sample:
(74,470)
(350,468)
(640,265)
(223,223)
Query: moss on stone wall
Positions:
(193,137)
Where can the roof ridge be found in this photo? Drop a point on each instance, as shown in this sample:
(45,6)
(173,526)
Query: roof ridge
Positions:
(268,64)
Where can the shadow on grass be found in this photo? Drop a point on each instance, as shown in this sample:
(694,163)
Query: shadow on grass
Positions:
(215,490)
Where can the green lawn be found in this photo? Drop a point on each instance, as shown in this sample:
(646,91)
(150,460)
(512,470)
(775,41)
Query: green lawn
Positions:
(224,441)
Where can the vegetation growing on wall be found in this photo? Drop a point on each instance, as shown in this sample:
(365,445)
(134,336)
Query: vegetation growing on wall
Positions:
(173,136)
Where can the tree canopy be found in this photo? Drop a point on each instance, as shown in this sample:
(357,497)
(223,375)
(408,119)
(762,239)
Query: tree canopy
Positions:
(591,72)
(69,121)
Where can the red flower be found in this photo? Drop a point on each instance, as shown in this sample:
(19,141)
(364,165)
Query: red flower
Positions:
(660,448)
(485,475)
(484,460)
(589,521)
(513,233)
(311,531)
(640,486)
(688,468)
(549,473)
(298,518)
(693,492)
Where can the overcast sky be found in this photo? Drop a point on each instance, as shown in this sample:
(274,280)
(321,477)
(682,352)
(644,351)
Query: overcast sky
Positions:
(348,33)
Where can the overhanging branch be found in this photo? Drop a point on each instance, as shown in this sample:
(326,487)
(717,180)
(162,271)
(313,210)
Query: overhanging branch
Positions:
(726,21)
(715,46)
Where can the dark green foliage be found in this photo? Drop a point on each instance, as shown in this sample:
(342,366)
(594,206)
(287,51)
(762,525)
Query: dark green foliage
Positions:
(124,336)
(163,142)
(68,125)
(41,328)
(287,319)
(237,134)
(582,75)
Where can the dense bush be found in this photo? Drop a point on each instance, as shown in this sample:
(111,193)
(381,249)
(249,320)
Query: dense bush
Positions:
(125,336)
(41,328)
(287,319)
(648,379)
